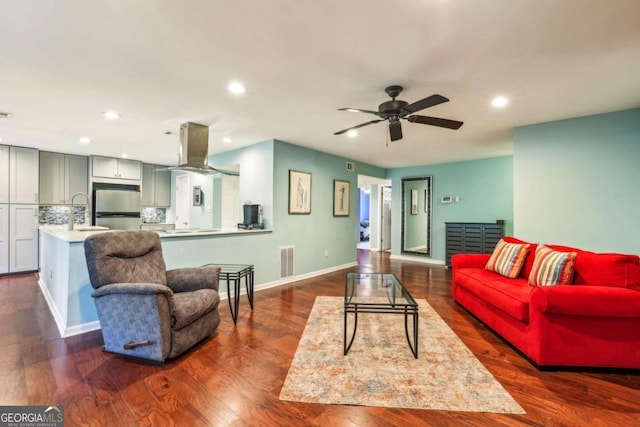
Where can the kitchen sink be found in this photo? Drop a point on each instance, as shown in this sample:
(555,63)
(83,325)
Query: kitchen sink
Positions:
(89,228)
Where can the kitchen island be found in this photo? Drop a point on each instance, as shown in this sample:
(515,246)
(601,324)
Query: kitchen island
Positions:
(64,278)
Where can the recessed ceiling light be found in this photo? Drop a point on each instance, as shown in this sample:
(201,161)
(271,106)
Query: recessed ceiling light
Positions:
(0,139)
(236,88)
(84,140)
(111,115)
(124,155)
(499,102)
(352,133)
(226,140)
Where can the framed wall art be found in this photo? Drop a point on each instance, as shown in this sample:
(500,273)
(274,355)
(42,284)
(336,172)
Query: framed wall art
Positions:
(299,192)
(341,197)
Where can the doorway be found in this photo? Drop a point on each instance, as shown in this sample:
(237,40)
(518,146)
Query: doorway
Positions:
(374,214)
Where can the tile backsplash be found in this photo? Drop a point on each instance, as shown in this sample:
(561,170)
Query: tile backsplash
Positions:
(59,215)
(153,215)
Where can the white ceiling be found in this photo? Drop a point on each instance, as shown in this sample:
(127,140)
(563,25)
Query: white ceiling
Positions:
(160,63)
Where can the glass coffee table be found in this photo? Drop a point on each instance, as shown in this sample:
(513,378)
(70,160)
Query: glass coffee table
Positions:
(379,293)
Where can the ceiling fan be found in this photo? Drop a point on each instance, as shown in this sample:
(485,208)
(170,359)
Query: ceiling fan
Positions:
(395,110)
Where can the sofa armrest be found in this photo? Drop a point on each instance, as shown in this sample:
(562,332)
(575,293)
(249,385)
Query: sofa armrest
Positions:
(469,260)
(584,300)
(193,278)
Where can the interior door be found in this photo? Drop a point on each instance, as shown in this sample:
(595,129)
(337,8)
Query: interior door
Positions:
(385,219)
(182,200)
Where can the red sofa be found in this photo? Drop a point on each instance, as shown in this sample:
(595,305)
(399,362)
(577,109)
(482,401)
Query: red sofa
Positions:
(594,322)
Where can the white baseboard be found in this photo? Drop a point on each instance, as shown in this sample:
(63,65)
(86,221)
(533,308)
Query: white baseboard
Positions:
(57,316)
(423,260)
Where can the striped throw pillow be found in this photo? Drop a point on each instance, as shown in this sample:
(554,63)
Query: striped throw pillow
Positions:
(507,258)
(551,267)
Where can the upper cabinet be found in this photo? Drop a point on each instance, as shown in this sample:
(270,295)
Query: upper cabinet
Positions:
(156,186)
(62,176)
(4,174)
(111,167)
(23,170)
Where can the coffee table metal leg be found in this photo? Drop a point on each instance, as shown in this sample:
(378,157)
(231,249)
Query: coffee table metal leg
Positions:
(413,346)
(355,328)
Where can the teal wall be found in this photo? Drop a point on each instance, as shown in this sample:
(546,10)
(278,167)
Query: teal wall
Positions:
(485,188)
(264,179)
(577,182)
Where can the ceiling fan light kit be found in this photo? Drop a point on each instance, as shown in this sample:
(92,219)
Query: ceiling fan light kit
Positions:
(395,110)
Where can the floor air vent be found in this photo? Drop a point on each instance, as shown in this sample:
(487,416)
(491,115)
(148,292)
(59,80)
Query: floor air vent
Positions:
(286,261)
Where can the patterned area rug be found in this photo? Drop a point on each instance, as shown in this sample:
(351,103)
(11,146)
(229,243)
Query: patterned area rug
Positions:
(380,369)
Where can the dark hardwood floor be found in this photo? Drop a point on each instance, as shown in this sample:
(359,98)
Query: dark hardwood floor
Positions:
(235,377)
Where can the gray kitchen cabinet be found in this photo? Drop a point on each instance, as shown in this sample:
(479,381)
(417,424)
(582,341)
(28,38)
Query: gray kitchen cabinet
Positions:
(4,238)
(23,179)
(111,167)
(156,186)
(4,174)
(61,176)
(23,238)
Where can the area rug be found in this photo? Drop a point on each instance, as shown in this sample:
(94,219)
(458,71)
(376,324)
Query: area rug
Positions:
(380,369)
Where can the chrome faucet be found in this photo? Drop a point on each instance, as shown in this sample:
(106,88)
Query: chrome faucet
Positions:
(88,208)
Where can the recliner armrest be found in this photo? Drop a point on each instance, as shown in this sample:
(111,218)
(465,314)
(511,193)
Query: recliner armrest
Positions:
(131,288)
(193,278)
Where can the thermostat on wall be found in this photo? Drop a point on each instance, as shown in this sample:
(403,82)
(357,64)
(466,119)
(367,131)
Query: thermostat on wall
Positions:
(446,199)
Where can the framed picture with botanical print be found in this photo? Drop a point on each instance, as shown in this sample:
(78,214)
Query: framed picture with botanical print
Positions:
(341,197)
(299,192)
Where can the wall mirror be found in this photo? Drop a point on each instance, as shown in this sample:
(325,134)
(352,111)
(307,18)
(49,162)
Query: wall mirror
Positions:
(416,215)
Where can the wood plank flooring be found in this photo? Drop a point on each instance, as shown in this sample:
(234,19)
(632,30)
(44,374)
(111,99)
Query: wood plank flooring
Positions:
(234,378)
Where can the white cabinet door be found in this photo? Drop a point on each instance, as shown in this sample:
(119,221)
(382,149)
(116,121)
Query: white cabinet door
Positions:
(51,178)
(23,182)
(163,187)
(148,185)
(23,238)
(105,167)
(4,239)
(4,174)
(129,169)
(76,176)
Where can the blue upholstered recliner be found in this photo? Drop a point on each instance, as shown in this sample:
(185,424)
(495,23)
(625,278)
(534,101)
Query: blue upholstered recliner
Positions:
(144,310)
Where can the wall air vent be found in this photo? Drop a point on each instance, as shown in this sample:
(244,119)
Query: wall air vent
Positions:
(287,259)
(351,167)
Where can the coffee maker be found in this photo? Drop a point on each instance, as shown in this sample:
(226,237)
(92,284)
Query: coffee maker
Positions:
(252,217)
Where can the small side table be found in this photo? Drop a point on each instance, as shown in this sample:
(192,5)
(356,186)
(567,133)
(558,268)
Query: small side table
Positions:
(234,273)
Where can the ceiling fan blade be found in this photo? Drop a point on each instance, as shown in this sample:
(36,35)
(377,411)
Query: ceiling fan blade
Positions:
(358,110)
(427,102)
(357,126)
(436,121)
(395,130)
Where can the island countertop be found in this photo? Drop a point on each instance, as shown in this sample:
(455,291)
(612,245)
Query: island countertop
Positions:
(79,234)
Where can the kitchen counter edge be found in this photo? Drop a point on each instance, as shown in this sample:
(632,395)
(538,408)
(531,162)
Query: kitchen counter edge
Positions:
(61,232)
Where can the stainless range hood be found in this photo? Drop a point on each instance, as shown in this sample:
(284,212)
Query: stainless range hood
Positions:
(194,150)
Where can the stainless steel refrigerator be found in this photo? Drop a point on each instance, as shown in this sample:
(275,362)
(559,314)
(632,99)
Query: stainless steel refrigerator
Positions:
(117,209)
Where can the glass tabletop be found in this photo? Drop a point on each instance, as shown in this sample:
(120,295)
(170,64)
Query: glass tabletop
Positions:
(376,288)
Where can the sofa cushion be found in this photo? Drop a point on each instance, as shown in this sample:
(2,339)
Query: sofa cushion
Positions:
(604,269)
(509,295)
(551,267)
(531,254)
(507,258)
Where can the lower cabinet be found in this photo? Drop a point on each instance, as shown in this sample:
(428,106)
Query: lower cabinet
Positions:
(23,238)
(4,238)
